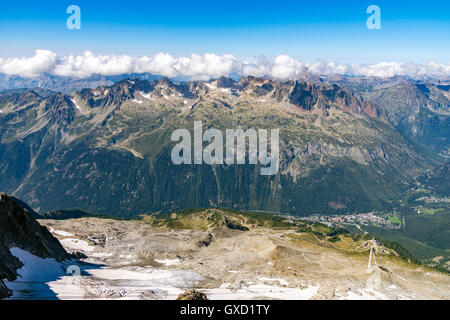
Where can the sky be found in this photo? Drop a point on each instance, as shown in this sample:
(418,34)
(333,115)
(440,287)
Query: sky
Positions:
(411,31)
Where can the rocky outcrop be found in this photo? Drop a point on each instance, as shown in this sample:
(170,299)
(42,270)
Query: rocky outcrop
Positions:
(234,225)
(18,228)
(192,295)
(4,292)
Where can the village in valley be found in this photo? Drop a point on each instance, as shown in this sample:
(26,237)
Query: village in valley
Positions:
(385,220)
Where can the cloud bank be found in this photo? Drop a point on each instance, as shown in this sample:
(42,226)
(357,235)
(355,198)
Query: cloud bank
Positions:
(204,67)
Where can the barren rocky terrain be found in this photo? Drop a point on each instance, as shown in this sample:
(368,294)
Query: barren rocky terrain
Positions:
(213,252)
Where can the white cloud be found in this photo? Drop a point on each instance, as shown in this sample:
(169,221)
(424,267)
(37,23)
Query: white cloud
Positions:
(161,64)
(208,66)
(285,67)
(89,63)
(42,61)
(204,67)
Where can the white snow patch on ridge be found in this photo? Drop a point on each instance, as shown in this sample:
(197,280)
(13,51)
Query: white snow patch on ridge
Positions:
(145,95)
(76,244)
(34,277)
(36,268)
(77,106)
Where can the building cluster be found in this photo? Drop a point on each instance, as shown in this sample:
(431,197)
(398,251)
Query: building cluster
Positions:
(365,219)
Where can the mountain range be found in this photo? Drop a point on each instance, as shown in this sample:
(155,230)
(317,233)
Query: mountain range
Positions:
(346,144)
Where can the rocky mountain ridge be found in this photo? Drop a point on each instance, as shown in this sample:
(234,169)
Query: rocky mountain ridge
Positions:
(107,150)
(18,228)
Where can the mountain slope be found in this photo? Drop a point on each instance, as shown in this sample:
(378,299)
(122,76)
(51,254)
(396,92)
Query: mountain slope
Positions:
(107,150)
(285,258)
(438,179)
(419,110)
(19,229)
(62,83)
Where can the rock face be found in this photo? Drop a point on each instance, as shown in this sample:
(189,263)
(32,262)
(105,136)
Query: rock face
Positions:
(438,179)
(419,110)
(19,229)
(234,225)
(192,295)
(108,150)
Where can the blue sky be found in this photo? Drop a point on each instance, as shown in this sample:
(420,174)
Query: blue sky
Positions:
(412,31)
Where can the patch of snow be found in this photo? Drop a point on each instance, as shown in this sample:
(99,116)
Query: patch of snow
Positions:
(364,294)
(136,281)
(281,281)
(261,291)
(392,287)
(405,296)
(77,106)
(145,95)
(76,244)
(401,278)
(46,279)
(126,256)
(209,85)
(101,254)
(33,276)
(36,268)
(137,101)
(60,233)
(168,262)
(68,288)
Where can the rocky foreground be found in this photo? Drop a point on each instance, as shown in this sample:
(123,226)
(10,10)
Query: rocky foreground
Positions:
(200,254)
(226,255)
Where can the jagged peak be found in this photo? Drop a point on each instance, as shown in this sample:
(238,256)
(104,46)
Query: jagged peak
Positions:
(302,93)
(165,82)
(223,82)
(60,108)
